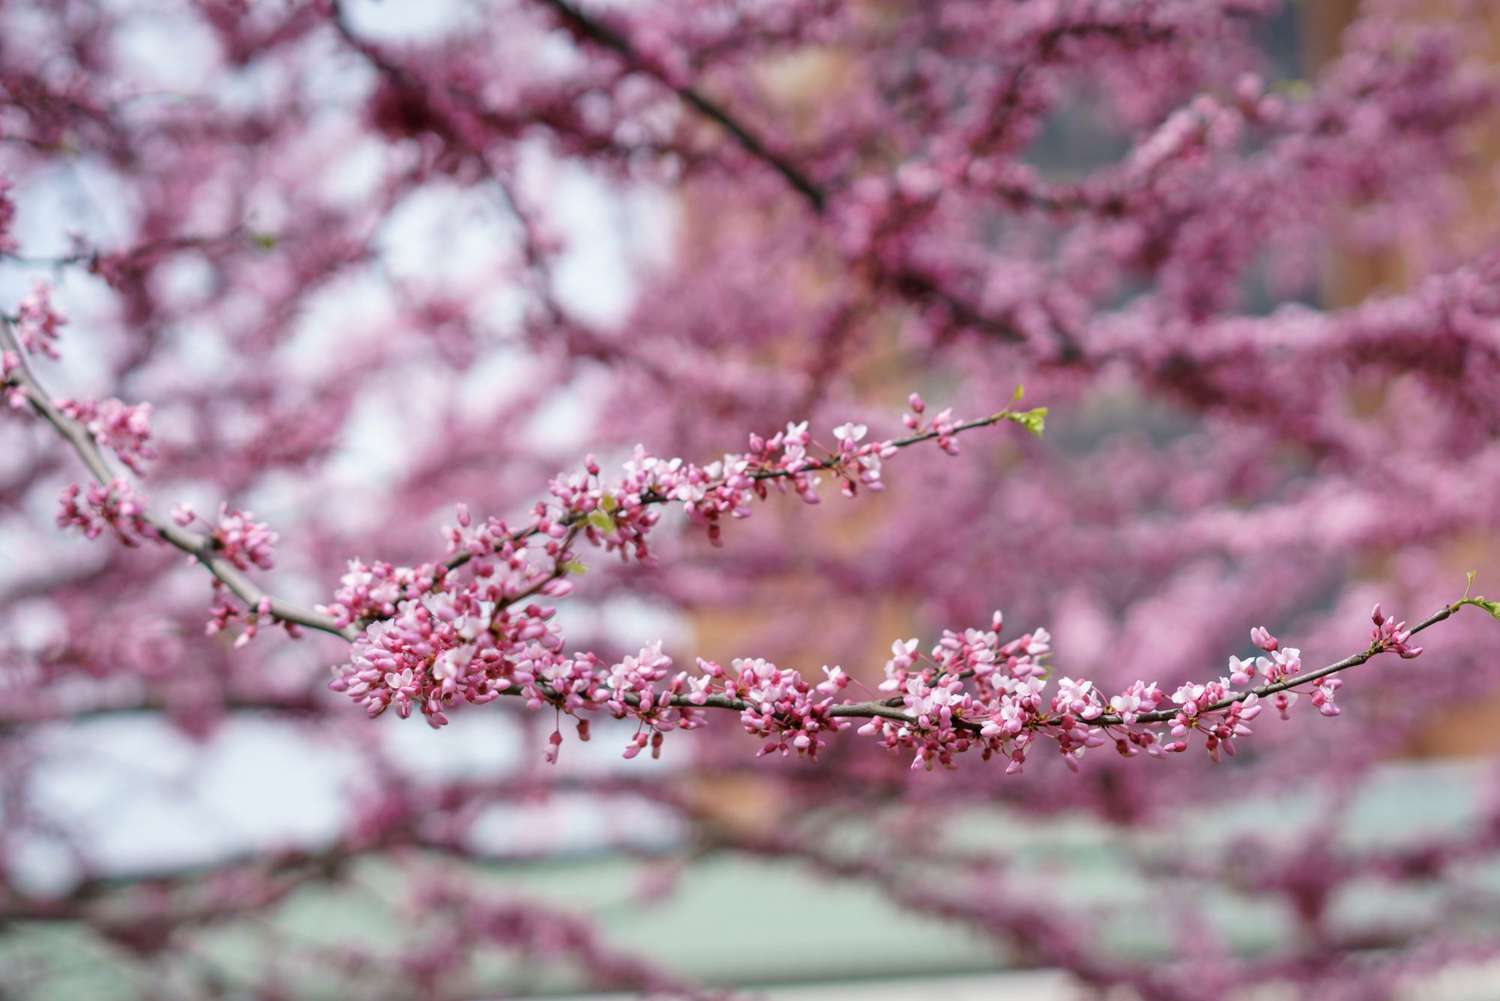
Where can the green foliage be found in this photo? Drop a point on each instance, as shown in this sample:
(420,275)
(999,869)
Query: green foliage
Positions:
(1033,420)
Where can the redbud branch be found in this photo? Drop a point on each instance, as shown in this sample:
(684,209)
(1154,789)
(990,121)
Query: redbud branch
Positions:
(1293,681)
(203,550)
(458,559)
(199,547)
(602,34)
(890,708)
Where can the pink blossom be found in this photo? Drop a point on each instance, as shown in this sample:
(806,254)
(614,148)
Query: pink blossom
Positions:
(38,323)
(121,427)
(1323,694)
(242,540)
(116,507)
(1392,635)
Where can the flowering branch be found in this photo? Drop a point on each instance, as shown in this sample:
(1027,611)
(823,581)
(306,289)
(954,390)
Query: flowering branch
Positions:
(940,715)
(1389,636)
(421,639)
(613,520)
(137,519)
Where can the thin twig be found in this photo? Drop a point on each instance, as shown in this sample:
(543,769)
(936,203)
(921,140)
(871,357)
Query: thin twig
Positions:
(602,34)
(199,547)
(1293,681)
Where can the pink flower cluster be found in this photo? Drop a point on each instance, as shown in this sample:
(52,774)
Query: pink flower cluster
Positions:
(116,507)
(778,704)
(236,536)
(425,656)
(972,691)
(1389,634)
(1282,663)
(942,424)
(38,323)
(368,592)
(616,520)
(630,689)
(122,427)
(860,464)
(225,611)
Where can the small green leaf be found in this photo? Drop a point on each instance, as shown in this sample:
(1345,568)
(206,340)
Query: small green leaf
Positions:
(1492,607)
(576,568)
(608,502)
(1020,391)
(1033,420)
(601,520)
(265,241)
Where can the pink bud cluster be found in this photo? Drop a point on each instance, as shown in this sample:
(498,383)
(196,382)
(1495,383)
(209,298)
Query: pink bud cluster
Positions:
(116,507)
(368,592)
(1282,663)
(236,536)
(779,705)
(122,427)
(38,323)
(942,424)
(970,677)
(225,612)
(1392,635)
